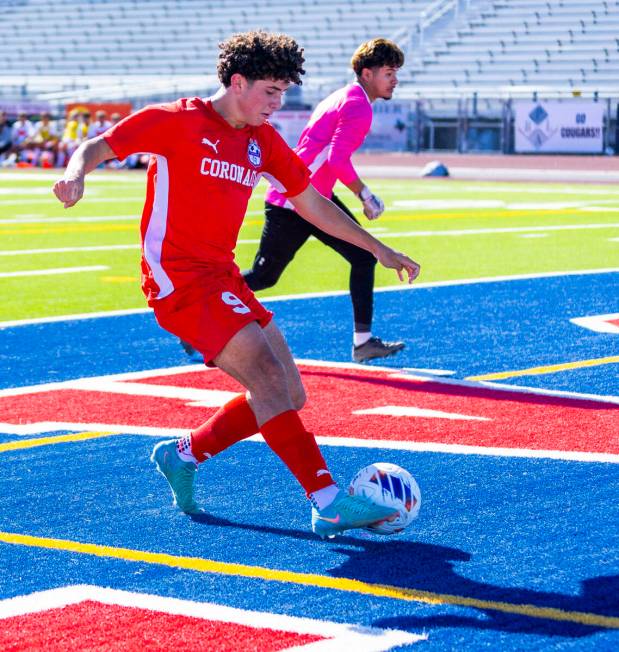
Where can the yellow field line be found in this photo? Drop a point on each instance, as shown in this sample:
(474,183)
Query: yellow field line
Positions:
(308,579)
(548,369)
(47,441)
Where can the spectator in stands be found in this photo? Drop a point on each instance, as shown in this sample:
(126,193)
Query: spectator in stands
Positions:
(22,133)
(75,132)
(44,141)
(6,137)
(336,129)
(207,157)
(100,125)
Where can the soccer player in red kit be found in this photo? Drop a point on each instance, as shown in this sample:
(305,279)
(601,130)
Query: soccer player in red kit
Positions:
(207,156)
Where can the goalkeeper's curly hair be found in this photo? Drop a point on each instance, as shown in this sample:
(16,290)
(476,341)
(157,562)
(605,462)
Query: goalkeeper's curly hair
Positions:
(260,55)
(377,53)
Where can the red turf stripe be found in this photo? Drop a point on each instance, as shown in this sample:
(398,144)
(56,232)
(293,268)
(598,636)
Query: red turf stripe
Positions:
(94,626)
(516,420)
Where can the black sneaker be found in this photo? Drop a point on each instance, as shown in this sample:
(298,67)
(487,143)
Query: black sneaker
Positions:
(375,348)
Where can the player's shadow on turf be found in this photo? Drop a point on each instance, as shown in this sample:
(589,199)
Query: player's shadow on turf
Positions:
(430,568)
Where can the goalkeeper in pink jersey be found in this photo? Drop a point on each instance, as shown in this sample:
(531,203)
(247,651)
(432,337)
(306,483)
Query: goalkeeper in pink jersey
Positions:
(336,129)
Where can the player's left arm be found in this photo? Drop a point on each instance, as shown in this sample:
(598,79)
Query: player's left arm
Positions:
(326,216)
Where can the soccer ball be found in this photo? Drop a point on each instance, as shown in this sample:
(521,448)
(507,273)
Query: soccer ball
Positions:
(392,486)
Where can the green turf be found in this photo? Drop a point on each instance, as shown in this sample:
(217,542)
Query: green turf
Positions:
(31,219)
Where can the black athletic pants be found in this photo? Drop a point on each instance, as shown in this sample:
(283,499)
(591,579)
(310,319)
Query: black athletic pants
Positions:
(285,232)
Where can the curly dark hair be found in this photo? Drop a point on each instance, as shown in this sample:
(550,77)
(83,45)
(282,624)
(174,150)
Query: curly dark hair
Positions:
(260,55)
(377,53)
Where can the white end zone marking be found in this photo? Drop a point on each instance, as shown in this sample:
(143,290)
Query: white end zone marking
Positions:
(409,411)
(338,636)
(598,323)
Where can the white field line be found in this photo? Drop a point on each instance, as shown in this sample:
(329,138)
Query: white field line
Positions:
(62,250)
(194,397)
(42,427)
(51,272)
(95,177)
(36,219)
(332,293)
(518,229)
(68,219)
(410,411)
(51,201)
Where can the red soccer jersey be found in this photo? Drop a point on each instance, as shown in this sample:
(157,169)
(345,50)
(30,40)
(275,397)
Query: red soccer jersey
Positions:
(200,178)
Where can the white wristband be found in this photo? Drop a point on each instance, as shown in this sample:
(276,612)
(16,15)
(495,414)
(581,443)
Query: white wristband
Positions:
(365,193)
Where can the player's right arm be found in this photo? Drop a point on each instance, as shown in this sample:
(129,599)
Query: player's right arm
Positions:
(86,158)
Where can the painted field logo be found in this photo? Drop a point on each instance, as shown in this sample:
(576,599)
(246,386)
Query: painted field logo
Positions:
(365,406)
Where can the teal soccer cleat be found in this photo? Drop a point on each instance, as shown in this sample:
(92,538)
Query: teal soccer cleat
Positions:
(180,475)
(348,512)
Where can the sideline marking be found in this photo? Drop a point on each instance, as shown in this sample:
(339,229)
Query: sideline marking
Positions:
(339,636)
(47,441)
(338,442)
(53,271)
(68,220)
(331,293)
(519,229)
(308,579)
(61,250)
(548,369)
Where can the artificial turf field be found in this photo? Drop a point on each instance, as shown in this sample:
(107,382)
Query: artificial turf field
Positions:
(504,405)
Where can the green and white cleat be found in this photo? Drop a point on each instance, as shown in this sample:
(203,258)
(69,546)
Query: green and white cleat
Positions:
(179,474)
(347,512)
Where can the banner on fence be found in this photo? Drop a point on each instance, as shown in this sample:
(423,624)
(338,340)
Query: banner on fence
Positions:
(553,127)
(290,124)
(389,127)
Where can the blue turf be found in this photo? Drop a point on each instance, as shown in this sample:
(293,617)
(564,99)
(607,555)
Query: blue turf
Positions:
(490,528)
(472,329)
(504,529)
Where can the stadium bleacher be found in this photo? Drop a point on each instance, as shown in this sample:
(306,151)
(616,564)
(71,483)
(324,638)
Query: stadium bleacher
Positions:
(124,47)
(515,42)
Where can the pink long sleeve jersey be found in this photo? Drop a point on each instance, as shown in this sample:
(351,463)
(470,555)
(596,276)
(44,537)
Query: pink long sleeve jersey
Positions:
(337,128)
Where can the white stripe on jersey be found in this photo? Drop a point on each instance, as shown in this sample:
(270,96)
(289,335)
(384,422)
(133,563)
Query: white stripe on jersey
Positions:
(155,233)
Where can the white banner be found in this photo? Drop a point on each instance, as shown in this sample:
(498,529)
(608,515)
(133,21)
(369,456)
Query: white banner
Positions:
(290,124)
(553,127)
(389,127)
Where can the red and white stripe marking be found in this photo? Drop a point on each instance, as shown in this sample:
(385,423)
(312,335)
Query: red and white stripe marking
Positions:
(86,615)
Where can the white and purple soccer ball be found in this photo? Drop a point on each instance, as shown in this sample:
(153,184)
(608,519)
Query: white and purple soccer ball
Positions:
(392,486)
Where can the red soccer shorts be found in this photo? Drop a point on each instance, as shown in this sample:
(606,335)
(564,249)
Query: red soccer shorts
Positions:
(207,313)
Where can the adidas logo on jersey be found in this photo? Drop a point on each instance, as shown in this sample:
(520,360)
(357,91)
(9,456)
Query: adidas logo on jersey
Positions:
(231,171)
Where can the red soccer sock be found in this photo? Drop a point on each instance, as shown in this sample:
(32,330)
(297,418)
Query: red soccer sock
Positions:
(231,423)
(297,448)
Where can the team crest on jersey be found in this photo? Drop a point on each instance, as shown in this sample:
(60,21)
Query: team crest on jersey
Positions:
(254,153)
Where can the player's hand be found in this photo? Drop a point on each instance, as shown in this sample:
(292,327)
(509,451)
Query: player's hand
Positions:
(69,191)
(402,264)
(373,207)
